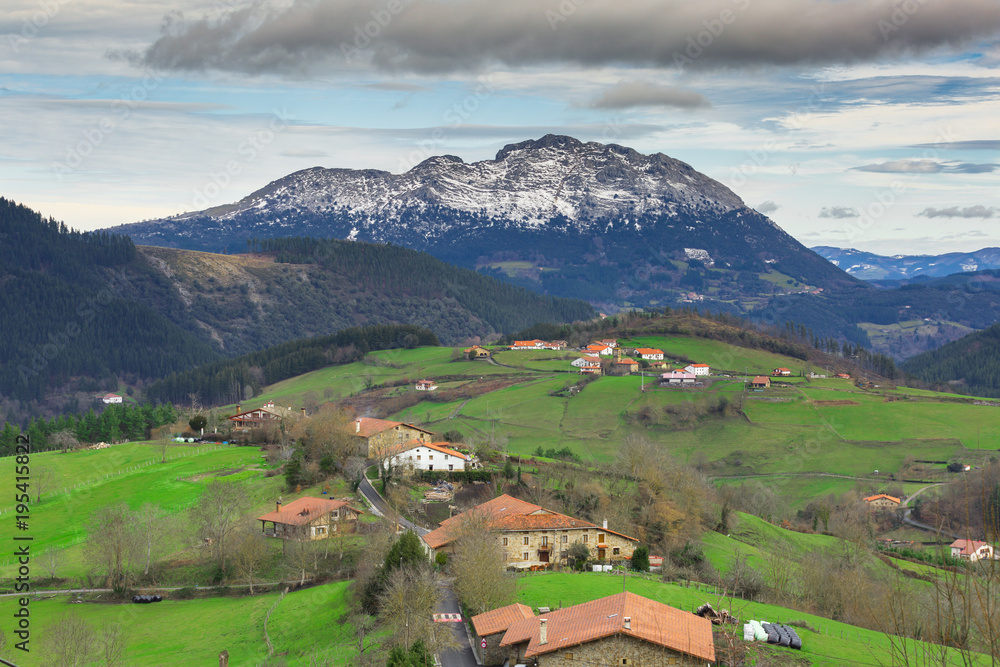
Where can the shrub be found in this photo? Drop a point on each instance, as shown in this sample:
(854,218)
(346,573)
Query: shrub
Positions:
(640,559)
(441,559)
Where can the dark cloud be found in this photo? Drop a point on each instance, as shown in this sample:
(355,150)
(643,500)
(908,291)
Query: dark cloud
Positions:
(978,211)
(444,36)
(928,167)
(767,207)
(838,212)
(629,94)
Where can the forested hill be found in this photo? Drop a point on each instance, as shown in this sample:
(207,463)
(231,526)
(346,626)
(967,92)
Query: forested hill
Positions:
(231,380)
(67,313)
(972,363)
(401,271)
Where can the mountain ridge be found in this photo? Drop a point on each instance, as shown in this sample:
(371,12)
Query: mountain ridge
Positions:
(871,266)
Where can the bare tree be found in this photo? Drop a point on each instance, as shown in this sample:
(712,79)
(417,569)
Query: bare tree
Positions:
(407,606)
(64,440)
(218,514)
(68,642)
(151,526)
(326,434)
(251,552)
(52,560)
(300,555)
(43,477)
(112,645)
(162,445)
(113,545)
(479,566)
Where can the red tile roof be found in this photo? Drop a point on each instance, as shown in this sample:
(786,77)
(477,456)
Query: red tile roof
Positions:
(510,514)
(648,350)
(626,360)
(968,547)
(498,620)
(369,426)
(882,495)
(650,621)
(699,366)
(304,510)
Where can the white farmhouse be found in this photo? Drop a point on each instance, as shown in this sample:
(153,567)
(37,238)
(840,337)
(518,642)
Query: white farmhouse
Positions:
(417,455)
(698,369)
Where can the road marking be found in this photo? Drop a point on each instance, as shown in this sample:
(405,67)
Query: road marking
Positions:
(447,618)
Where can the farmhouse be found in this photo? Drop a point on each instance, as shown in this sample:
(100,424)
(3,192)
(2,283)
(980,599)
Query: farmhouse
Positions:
(650,354)
(528,344)
(883,502)
(677,377)
(380,434)
(492,626)
(971,550)
(417,455)
(698,369)
(624,366)
(599,349)
(554,345)
(610,342)
(259,417)
(309,519)
(589,364)
(426,385)
(760,382)
(532,536)
(781,372)
(622,629)
(843,376)
(111,398)
(476,352)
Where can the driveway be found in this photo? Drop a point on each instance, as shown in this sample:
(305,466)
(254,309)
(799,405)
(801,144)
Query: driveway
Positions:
(382,509)
(463,656)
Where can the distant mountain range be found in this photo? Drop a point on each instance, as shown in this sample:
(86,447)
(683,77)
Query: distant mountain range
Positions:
(595,221)
(871,267)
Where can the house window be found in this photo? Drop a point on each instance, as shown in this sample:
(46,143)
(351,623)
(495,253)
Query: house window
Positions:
(565,539)
(430,457)
(524,556)
(525,540)
(451,466)
(336,514)
(545,540)
(585,538)
(505,541)
(430,467)
(418,457)
(615,551)
(568,655)
(600,538)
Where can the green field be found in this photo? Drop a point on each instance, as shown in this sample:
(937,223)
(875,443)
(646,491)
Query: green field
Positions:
(720,356)
(833,644)
(193,632)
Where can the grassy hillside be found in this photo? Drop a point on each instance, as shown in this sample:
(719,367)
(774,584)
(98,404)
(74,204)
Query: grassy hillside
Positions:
(829,643)
(970,365)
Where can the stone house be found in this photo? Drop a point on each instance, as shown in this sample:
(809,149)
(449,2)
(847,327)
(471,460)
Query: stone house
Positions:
(534,537)
(760,382)
(477,352)
(309,519)
(380,435)
(492,626)
(882,502)
(622,629)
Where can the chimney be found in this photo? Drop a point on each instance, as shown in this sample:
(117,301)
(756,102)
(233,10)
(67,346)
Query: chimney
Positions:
(238,409)
(605,524)
(278,504)
(303,412)
(628,622)
(543,636)
(357,425)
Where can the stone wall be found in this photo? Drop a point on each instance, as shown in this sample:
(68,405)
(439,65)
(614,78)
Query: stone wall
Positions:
(515,548)
(613,650)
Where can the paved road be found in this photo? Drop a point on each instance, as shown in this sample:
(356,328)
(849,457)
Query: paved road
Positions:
(923,526)
(463,656)
(379,504)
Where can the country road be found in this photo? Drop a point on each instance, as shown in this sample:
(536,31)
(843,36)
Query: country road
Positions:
(923,526)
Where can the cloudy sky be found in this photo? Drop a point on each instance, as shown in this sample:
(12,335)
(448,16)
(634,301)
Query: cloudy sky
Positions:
(863,123)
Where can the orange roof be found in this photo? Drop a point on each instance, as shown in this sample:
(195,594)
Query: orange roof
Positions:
(597,346)
(968,546)
(528,343)
(882,495)
(648,350)
(650,621)
(626,360)
(369,426)
(498,620)
(699,366)
(761,379)
(304,510)
(510,514)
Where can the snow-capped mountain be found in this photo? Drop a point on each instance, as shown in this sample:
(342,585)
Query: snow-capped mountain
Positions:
(551,204)
(869,266)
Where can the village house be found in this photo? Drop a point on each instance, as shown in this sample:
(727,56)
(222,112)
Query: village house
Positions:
(678,377)
(622,629)
(426,385)
(532,536)
(599,349)
(528,344)
(882,502)
(843,376)
(477,352)
(781,372)
(760,382)
(309,519)
(971,550)
(378,435)
(650,354)
(554,345)
(624,366)
(610,342)
(698,369)
(268,415)
(111,398)
(419,455)
(589,364)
